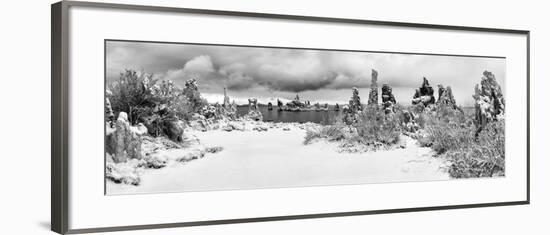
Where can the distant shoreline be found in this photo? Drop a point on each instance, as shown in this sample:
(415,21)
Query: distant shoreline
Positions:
(331,106)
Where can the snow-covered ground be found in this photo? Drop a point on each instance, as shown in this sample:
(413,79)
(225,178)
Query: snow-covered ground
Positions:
(278,158)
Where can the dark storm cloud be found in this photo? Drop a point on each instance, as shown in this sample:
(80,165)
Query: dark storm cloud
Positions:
(240,68)
(293,71)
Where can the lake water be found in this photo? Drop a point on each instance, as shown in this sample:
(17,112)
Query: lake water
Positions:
(322,117)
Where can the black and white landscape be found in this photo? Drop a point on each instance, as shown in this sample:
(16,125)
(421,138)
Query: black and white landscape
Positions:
(186,117)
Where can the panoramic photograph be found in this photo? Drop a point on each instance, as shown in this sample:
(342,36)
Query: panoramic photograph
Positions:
(183,117)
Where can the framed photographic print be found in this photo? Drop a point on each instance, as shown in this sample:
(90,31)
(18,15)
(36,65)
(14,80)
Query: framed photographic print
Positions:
(167,117)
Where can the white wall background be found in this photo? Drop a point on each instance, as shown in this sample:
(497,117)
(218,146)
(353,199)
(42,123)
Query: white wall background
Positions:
(25,117)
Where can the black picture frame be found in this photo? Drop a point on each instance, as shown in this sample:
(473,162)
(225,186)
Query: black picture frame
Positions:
(59,113)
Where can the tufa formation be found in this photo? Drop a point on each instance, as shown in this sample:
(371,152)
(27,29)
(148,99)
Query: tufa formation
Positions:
(373,94)
(489,101)
(253,111)
(446,97)
(424,95)
(124,141)
(388,100)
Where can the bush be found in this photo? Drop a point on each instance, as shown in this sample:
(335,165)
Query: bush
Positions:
(181,108)
(452,134)
(444,128)
(421,119)
(157,104)
(139,95)
(483,158)
(374,126)
(449,137)
(131,94)
(333,132)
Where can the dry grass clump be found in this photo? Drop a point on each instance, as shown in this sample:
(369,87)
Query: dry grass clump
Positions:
(373,128)
(484,157)
(452,134)
(126,172)
(443,136)
(334,132)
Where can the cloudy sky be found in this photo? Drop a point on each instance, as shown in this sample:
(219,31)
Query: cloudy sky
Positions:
(318,76)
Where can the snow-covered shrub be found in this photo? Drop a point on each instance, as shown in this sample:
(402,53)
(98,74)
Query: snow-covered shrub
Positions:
(155,161)
(333,132)
(452,134)
(125,172)
(374,126)
(484,157)
(131,93)
(215,149)
(192,155)
(159,105)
